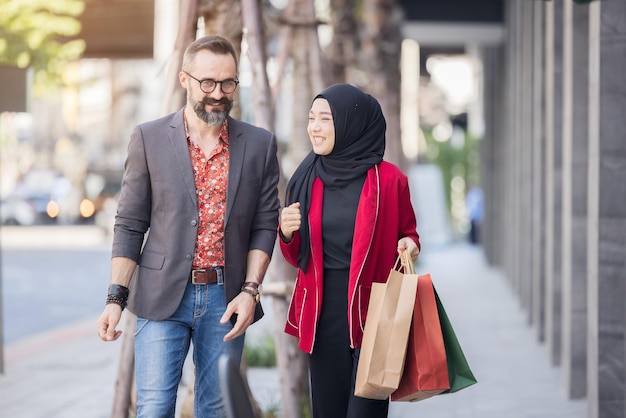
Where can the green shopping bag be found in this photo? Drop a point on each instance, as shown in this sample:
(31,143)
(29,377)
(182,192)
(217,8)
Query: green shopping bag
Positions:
(459,372)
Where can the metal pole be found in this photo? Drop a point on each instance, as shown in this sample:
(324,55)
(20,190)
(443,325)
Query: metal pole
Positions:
(1,319)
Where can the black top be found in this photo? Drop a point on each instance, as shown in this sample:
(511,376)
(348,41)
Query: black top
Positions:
(338,217)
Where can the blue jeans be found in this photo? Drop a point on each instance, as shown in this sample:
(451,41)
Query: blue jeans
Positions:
(162,346)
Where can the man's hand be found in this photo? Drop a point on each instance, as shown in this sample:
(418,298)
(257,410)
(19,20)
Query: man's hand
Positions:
(109,319)
(243,305)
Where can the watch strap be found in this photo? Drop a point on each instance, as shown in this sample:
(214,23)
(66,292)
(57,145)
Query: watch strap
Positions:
(253,285)
(254,293)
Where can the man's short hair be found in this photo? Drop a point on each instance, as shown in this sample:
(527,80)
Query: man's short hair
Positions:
(214,43)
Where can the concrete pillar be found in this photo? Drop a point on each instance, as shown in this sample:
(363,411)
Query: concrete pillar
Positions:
(513,138)
(536,172)
(574,197)
(491,153)
(500,132)
(508,259)
(553,129)
(511,226)
(523,146)
(509,123)
(606,226)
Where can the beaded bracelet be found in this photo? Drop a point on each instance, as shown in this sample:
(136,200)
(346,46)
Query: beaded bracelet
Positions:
(117,300)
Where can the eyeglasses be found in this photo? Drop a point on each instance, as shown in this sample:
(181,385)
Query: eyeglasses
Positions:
(208,85)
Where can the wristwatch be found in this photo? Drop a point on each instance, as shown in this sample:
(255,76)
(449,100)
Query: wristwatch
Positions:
(253,289)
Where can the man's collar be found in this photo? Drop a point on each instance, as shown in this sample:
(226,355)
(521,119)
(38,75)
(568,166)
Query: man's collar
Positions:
(223,135)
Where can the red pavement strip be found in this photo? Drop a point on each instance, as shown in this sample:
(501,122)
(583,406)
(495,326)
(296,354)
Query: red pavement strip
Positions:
(33,346)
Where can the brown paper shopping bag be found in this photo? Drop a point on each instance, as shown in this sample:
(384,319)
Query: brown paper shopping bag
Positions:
(425,369)
(386,335)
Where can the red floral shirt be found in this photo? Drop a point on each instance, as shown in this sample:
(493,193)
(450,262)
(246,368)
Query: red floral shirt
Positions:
(211,178)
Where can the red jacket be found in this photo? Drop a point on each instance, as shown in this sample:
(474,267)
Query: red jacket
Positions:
(384,215)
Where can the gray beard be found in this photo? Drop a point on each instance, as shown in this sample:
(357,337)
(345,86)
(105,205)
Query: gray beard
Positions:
(212,118)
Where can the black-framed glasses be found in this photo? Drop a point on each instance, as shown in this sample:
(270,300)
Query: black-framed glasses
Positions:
(208,85)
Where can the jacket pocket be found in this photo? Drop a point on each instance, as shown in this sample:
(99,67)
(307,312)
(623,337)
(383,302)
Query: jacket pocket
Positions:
(296,310)
(152,260)
(363,294)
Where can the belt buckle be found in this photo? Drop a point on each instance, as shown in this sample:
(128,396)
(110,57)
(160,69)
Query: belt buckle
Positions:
(193,275)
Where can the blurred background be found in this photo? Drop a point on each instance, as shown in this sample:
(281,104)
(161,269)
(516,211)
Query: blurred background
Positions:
(507,117)
(81,81)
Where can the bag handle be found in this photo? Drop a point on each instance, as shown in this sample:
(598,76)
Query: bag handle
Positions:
(399,265)
(407,262)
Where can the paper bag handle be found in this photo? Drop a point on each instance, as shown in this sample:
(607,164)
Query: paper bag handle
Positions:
(398,266)
(407,262)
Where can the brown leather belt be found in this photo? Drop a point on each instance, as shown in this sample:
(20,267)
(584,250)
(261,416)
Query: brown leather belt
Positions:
(205,276)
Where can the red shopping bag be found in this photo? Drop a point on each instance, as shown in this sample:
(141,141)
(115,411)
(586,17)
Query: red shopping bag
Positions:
(425,369)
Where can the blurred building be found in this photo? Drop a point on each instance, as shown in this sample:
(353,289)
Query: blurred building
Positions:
(83,133)
(553,163)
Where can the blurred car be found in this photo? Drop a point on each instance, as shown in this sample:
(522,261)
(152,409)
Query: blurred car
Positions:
(17,211)
(45,196)
(50,195)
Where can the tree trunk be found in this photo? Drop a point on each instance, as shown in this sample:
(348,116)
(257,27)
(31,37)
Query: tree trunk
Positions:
(173,96)
(342,52)
(261,92)
(307,75)
(381,44)
(223,17)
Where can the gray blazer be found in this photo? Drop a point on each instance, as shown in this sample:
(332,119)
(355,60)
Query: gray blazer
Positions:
(158,198)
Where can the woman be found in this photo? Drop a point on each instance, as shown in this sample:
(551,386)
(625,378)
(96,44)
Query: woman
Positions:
(348,215)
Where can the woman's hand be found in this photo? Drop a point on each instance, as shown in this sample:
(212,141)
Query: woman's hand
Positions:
(290,219)
(407,244)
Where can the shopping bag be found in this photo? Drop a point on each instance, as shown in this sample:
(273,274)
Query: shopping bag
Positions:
(459,372)
(385,335)
(425,368)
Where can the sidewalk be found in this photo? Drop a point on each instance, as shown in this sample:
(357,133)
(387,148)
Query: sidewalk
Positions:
(70,373)
(515,379)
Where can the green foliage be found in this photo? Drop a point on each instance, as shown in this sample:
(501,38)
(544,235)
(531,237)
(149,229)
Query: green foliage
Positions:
(34,33)
(261,353)
(305,407)
(455,159)
(273,411)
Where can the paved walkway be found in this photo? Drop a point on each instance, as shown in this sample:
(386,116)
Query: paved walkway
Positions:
(514,377)
(70,373)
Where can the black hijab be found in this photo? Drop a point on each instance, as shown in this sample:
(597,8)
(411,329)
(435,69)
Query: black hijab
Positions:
(359,145)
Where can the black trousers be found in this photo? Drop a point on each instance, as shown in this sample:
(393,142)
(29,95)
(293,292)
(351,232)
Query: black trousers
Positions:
(333,364)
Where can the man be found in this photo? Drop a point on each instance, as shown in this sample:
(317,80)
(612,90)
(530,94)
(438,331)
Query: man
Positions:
(204,186)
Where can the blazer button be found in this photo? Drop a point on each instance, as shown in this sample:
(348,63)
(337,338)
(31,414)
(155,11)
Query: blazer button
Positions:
(194,223)
(188,257)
